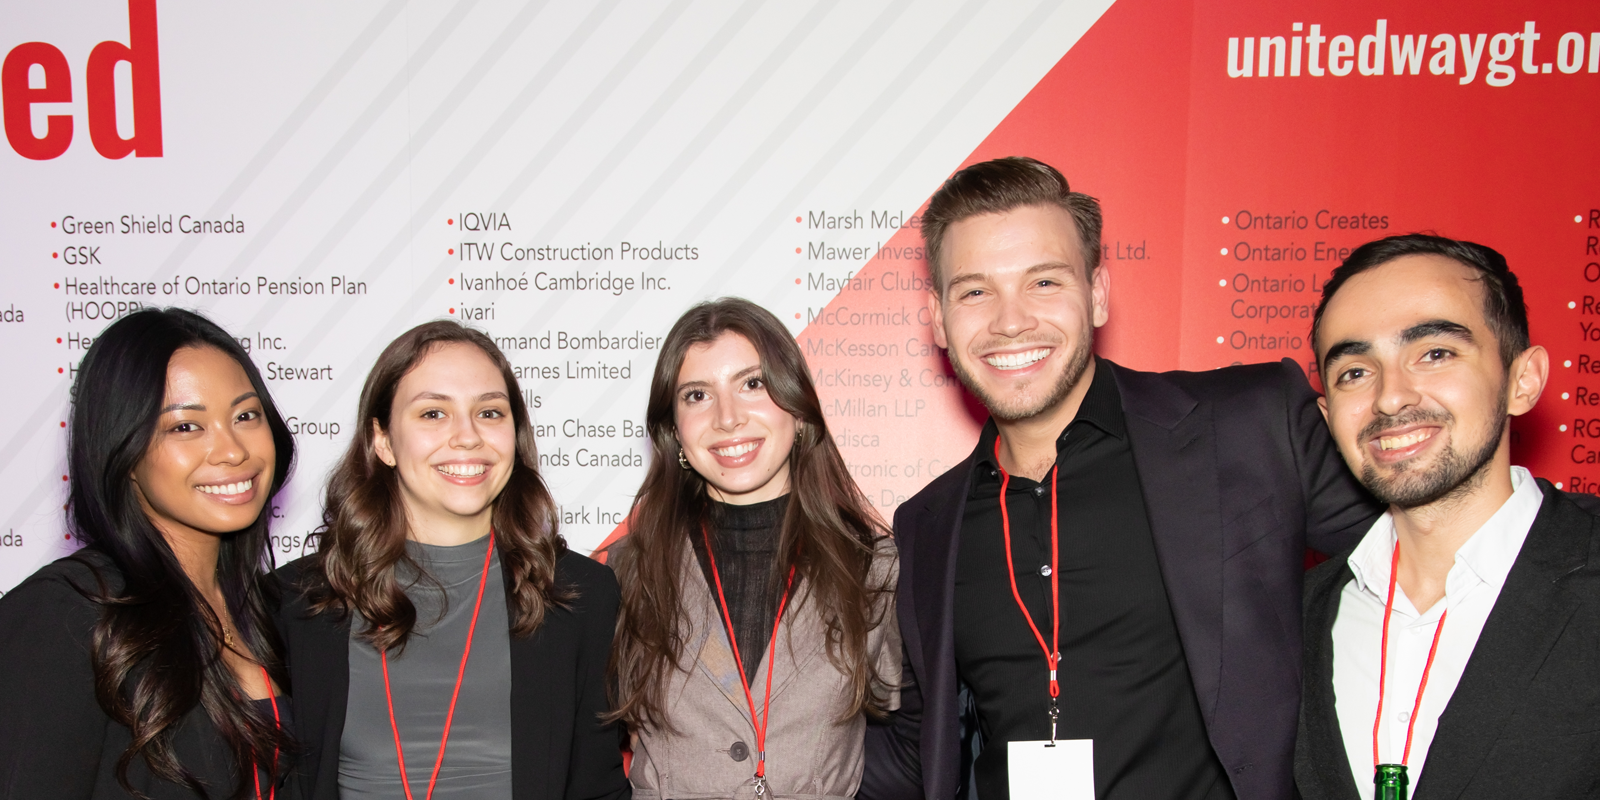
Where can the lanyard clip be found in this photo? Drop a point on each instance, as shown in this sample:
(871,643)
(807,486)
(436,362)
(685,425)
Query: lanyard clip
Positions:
(761,787)
(1055,713)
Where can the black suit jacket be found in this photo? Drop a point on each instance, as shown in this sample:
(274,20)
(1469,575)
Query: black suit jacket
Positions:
(55,739)
(1239,476)
(560,750)
(1525,719)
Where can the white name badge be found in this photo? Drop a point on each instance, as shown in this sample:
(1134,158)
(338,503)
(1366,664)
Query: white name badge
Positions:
(1063,772)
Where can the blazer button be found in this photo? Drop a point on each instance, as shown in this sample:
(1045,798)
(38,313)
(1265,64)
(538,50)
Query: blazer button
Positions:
(739,751)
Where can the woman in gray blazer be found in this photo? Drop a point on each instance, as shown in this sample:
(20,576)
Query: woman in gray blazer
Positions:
(757,627)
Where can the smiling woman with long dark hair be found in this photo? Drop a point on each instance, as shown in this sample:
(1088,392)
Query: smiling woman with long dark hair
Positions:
(758,628)
(130,668)
(444,636)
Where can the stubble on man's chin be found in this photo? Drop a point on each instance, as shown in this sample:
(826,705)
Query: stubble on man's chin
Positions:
(1017,409)
(1453,477)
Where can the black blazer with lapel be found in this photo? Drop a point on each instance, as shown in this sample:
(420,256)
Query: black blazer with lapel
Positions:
(1239,476)
(560,750)
(56,741)
(1525,719)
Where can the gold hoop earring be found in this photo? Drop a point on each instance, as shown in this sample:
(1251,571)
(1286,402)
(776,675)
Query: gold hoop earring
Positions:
(683,462)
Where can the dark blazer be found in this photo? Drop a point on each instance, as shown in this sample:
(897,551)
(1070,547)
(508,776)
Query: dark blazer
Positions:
(55,739)
(1239,476)
(1525,719)
(560,750)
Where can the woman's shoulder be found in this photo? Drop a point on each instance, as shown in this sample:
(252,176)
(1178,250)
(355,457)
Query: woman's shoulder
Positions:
(290,588)
(585,575)
(612,553)
(55,606)
(883,547)
(885,560)
(293,575)
(591,588)
(72,581)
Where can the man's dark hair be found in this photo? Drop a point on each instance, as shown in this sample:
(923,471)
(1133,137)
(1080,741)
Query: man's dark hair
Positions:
(1503,306)
(998,186)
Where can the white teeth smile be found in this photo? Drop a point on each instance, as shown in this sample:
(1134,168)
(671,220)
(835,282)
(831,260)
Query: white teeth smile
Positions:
(228,488)
(736,450)
(1397,442)
(1016,360)
(462,470)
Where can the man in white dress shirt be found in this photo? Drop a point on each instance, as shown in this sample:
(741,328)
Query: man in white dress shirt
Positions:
(1461,637)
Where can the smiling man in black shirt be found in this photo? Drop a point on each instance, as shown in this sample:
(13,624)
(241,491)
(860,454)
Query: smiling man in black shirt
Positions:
(1138,537)
(1126,685)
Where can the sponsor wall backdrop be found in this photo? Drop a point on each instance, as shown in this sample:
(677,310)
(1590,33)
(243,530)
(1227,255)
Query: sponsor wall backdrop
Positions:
(570,177)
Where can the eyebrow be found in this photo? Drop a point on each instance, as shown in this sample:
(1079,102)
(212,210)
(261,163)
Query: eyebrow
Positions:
(201,406)
(447,398)
(1348,347)
(1436,327)
(743,373)
(1048,266)
(965,277)
(1415,333)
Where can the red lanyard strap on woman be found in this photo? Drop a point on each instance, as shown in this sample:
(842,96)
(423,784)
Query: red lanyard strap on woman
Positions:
(758,722)
(1383,666)
(272,791)
(1052,651)
(449,717)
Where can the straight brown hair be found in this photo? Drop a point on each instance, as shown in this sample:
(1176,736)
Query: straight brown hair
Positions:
(363,534)
(829,532)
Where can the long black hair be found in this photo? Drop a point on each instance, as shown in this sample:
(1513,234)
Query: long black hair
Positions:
(155,651)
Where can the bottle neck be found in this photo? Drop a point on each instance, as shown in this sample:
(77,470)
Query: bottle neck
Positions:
(1390,782)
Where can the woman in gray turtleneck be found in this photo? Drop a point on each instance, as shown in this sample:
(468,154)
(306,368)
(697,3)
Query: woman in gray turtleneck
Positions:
(443,642)
(757,627)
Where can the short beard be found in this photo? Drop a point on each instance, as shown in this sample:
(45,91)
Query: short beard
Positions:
(1452,477)
(1014,409)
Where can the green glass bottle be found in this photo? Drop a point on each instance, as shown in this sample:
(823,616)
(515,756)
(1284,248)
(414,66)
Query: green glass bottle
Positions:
(1390,781)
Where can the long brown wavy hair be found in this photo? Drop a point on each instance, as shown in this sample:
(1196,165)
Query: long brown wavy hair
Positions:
(363,533)
(155,649)
(828,535)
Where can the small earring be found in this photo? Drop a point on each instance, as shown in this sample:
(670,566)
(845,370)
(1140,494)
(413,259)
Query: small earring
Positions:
(683,462)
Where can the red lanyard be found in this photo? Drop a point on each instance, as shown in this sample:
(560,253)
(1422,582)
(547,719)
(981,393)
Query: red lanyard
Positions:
(1383,665)
(759,723)
(1052,652)
(272,791)
(438,762)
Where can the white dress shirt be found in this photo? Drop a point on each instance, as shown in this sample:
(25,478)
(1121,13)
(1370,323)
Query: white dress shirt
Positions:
(1471,589)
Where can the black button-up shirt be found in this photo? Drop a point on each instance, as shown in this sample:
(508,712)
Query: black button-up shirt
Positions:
(1124,682)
